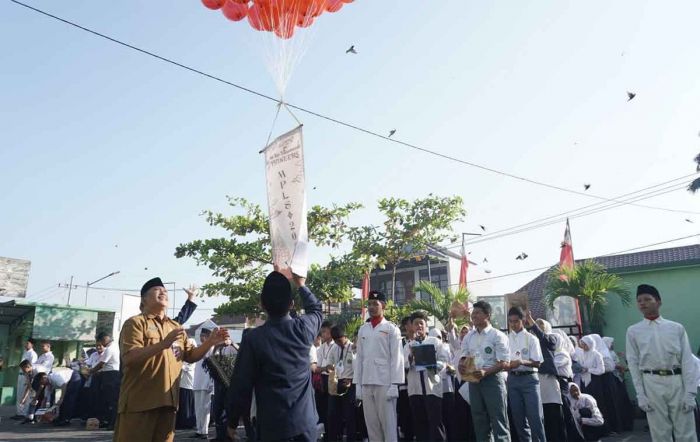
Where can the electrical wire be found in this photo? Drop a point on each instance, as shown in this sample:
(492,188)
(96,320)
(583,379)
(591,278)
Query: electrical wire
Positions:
(337,121)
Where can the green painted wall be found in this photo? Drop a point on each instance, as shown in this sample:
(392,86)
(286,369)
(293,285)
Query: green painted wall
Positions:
(680,294)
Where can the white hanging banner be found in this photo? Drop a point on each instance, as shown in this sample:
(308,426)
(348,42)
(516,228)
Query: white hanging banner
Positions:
(286,201)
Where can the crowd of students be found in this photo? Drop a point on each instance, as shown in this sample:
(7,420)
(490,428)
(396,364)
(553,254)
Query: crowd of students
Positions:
(478,383)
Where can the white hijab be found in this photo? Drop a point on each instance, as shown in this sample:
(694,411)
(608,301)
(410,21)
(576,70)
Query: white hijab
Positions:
(603,349)
(589,358)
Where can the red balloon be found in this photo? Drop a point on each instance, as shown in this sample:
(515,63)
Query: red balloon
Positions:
(213,4)
(234,11)
(243,2)
(254,18)
(348,1)
(334,5)
(285,29)
(304,21)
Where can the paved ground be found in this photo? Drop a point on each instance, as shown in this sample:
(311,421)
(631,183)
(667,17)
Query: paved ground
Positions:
(11,430)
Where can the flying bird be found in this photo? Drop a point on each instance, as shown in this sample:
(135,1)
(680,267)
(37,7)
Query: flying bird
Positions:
(522,256)
(487,270)
(486,260)
(630,95)
(314,188)
(392,132)
(586,186)
(482,227)
(351,50)
(688,220)
(145,268)
(116,245)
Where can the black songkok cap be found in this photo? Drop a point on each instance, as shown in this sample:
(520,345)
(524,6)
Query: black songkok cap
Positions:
(648,290)
(376,294)
(276,284)
(155,282)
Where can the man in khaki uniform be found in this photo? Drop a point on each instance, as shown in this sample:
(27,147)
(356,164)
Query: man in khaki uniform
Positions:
(152,348)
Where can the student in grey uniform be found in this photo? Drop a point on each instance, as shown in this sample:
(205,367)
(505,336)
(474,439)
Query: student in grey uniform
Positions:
(489,348)
(663,371)
(379,370)
(523,381)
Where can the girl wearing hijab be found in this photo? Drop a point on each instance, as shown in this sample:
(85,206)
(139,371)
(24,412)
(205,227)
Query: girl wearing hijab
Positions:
(592,371)
(622,399)
(611,402)
(587,414)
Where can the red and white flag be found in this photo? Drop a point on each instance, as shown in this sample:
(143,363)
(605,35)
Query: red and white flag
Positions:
(566,261)
(566,257)
(365,295)
(463,270)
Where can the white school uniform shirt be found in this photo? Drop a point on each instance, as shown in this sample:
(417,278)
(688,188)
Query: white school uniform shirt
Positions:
(487,347)
(29,355)
(448,385)
(60,377)
(343,359)
(432,378)
(110,357)
(380,359)
(323,352)
(201,379)
(587,401)
(526,347)
(93,359)
(313,355)
(660,345)
(187,376)
(44,363)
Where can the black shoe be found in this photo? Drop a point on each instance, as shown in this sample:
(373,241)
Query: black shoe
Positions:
(28,421)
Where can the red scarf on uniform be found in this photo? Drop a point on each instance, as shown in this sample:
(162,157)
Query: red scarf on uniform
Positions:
(375,321)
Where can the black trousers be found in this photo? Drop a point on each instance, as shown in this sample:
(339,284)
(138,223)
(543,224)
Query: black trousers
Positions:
(403,412)
(108,395)
(464,426)
(341,414)
(554,426)
(218,405)
(448,414)
(69,404)
(427,417)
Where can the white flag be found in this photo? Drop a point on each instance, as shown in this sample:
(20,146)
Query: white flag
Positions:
(286,201)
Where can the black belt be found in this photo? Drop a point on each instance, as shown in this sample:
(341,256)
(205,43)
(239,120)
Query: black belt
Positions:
(663,372)
(522,373)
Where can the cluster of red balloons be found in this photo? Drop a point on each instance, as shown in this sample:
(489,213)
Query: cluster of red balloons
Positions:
(278,16)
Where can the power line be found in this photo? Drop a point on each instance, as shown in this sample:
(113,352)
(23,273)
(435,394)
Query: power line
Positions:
(557,218)
(337,121)
(597,256)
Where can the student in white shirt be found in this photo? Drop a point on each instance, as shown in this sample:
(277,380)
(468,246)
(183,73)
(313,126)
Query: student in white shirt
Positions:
(523,381)
(44,363)
(663,370)
(185,418)
(24,395)
(341,406)
(109,380)
(203,389)
(69,383)
(379,370)
(587,414)
(322,354)
(425,383)
(488,397)
(22,380)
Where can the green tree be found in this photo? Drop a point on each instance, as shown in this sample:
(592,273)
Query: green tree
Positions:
(440,303)
(590,283)
(694,186)
(241,259)
(408,229)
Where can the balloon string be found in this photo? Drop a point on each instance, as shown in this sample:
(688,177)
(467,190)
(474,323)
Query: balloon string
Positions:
(274,120)
(290,112)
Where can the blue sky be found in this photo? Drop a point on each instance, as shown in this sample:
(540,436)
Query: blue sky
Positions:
(102,146)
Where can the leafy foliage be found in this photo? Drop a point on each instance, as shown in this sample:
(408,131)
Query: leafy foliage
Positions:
(590,283)
(441,302)
(242,259)
(694,186)
(407,231)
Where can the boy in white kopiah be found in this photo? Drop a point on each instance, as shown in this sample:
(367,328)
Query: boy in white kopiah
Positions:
(663,371)
(379,370)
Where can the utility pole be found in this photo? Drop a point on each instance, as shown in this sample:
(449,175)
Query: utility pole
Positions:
(70,288)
